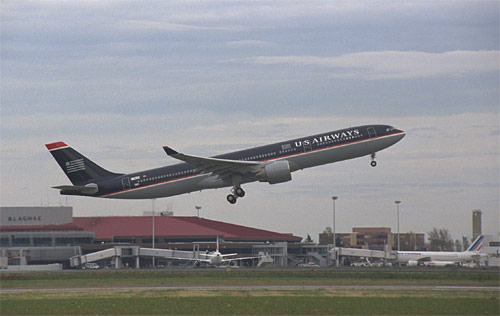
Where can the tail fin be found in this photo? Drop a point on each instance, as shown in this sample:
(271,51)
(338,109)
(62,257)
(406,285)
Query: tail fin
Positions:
(477,244)
(78,168)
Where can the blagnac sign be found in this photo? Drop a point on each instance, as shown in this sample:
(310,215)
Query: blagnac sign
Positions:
(35,216)
(25,219)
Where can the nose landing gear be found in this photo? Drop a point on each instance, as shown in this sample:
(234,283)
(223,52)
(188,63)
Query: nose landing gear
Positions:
(373,163)
(236,192)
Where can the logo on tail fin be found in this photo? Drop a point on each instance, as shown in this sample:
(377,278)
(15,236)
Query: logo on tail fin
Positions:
(477,245)
(75,165)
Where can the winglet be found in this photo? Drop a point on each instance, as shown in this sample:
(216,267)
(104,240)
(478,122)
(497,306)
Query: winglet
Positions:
(169,151)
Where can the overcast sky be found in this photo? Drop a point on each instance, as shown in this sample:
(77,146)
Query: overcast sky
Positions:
(119,80)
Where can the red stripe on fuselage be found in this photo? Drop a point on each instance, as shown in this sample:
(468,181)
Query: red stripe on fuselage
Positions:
(149,185)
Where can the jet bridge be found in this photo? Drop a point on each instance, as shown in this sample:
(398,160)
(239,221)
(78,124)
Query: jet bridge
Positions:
(118,252)
(115,253)
(172,254)
(367,253)
(337,253)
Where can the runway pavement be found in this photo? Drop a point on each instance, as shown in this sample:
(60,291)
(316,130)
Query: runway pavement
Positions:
(261,288)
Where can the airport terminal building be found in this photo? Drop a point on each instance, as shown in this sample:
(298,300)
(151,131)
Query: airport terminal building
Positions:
(32,236)
(41,235)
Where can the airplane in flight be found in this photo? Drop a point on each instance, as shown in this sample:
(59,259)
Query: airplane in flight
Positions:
(272,163)
(442,258)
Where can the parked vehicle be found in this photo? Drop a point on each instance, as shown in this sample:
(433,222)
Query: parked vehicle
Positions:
(308,265)
(91,265)
(364,263)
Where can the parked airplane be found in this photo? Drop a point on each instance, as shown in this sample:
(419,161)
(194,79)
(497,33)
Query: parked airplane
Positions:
(270,163)
(441,258)
(216,258)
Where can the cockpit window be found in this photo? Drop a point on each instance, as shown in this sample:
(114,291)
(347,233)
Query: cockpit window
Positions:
(389,129)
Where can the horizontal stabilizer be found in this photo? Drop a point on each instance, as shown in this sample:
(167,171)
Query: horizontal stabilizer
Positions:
(89,189)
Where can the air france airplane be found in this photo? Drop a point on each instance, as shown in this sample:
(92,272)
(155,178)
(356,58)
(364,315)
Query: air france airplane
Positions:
(442,258)
(270,163)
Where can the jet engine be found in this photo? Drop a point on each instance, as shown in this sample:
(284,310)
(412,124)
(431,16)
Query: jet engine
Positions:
(276,172)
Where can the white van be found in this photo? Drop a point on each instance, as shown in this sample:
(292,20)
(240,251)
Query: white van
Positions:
(91,265)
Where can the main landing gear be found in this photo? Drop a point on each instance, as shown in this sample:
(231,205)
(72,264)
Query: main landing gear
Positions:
(236,192)
(373,163)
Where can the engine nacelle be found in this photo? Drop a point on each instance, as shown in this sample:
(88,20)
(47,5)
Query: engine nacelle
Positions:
(276,172)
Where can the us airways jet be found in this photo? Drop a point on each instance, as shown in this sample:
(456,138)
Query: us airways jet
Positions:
(272,163)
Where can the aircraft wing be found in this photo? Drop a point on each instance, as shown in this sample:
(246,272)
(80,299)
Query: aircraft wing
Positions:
(423,258)
(238,259)
(229,255)
(220,167)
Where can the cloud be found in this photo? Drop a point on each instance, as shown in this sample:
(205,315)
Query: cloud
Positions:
(395,64)
(248,43)
(119,80)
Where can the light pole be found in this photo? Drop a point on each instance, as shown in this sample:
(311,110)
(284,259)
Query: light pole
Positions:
(397,206)
(153,202)
(198,208)
(334,198)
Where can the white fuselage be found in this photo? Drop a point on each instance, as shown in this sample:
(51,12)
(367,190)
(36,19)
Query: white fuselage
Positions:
(465,256)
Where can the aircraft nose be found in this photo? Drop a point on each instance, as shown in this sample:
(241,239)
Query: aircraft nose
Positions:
(400,134)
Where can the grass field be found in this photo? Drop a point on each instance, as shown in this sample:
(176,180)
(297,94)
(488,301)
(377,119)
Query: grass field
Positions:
(185,302)
(249,277)
(45,293)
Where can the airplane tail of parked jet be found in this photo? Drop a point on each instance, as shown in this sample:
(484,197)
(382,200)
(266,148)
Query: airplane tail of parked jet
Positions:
(477,244)
(78,168)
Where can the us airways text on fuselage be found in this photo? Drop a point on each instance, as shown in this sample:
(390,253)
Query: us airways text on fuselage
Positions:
(328,138)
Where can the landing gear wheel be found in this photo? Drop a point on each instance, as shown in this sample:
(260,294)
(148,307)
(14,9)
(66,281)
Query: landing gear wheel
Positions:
(239,192)
(373,163)
(231,198)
